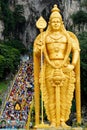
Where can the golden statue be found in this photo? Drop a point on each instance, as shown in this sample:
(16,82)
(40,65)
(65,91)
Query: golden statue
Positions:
(56,70)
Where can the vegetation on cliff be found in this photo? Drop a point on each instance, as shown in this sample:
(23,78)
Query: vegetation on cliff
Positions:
(11,47)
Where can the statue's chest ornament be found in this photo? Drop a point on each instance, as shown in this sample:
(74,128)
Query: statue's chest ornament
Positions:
(57,46)
(57,49)
(58,42)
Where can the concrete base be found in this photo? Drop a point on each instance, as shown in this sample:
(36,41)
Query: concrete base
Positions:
(74,128)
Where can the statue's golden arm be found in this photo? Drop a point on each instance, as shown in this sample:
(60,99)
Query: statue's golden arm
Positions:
(76,63)
(75,48)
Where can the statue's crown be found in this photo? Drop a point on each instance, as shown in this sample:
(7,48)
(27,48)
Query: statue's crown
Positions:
(55,9)
(55,13)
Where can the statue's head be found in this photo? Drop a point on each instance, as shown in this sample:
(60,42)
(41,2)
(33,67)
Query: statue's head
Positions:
(55,20)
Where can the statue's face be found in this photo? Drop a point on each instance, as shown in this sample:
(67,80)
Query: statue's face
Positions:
(55,24)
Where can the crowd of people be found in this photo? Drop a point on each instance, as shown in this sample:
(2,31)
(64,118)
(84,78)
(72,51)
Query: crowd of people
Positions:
(18,104)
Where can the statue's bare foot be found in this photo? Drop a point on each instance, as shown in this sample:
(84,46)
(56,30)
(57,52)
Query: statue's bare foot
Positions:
(64,125)
(53,124)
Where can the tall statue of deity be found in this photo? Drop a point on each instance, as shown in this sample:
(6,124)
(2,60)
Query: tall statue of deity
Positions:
(56,71)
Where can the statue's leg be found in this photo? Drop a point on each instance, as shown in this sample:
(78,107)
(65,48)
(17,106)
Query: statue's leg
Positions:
(63,103)
(70,93)
(66,97)
(69,100)
(51,102)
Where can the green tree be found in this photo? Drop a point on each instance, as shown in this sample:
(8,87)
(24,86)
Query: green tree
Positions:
(19,20)
(84,3)
(80,17)
(16,44)
(8,19)
(14,21)
(0,101)
(2,63)
(10,58)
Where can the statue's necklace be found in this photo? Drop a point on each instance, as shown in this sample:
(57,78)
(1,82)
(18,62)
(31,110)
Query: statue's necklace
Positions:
(56,37)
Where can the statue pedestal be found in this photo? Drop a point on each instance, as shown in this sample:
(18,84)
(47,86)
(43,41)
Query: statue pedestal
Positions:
(75,128)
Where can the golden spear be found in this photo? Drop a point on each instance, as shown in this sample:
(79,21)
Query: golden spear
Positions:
(41,25)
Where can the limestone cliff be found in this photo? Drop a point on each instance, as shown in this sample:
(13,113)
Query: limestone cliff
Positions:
(33,9)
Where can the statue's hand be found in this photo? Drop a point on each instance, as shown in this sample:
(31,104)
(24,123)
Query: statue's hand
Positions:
(70,67)
(39,47)
(40,44)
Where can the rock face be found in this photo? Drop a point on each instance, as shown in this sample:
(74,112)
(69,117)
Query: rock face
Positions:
(70,7)
(33,9)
